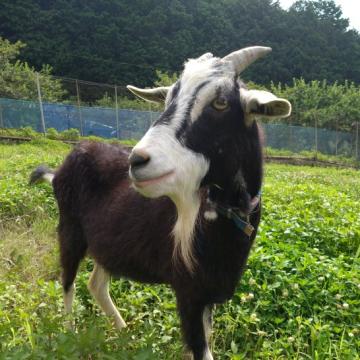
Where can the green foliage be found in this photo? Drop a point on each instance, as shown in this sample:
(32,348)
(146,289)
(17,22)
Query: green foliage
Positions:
(333,106)
(71,134)
(52,134)
(312,155)
(108,101)
(17,199)
(162,79)
(18,79)
(165,79)
(28,131)
(298,299)
(123,41)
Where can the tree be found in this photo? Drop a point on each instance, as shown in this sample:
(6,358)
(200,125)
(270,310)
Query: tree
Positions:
(124,41)
(18,79)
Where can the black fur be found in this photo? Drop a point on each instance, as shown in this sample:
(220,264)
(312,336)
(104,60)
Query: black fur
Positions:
(38,174)
(130,236)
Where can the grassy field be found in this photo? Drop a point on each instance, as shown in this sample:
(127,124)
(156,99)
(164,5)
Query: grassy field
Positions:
(299,297)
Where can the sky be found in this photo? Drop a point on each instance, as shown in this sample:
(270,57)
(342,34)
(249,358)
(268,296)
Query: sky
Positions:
(350,9)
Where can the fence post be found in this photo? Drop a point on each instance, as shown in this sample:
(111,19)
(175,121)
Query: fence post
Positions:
(2,125)
(337,137)
(290,144)
(79,107)
(357,141)
(117,114)
(151,114)
(40,103)
(316,137)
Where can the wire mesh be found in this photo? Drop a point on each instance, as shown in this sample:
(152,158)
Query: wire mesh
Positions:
(109,111)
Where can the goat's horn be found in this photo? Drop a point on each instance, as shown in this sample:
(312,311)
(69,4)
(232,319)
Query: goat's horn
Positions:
(154,95)
(245,57)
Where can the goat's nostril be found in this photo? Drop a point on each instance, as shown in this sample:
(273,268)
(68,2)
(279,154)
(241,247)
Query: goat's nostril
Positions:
(138,159)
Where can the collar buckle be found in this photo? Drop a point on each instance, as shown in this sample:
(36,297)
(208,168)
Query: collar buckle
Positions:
(229,213)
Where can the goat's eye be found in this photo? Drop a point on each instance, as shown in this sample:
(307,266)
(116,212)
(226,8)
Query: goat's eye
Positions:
(220,104)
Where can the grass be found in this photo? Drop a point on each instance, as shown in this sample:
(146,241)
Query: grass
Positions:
(69,135)
(299,297)
(314,155)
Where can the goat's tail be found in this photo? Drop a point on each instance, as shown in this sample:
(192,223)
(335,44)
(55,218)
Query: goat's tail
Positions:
(40,174)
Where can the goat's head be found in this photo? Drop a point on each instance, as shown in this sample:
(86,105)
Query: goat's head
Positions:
(203,134)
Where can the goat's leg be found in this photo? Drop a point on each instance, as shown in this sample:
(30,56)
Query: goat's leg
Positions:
(72,250)
(68,296)
(99,288)
(207,321)
(195,321)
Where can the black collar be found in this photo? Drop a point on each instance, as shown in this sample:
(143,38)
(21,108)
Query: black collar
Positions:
(241,219)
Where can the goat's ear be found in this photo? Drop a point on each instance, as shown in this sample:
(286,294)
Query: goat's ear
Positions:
(263,103)
(157,95)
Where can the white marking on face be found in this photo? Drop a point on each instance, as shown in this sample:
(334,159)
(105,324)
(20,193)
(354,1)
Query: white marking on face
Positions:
(169,96)
(187,169)
(175,170)
(197,72)
(208,94)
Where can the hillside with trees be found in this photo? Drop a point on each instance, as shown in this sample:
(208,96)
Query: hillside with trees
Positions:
(122,41)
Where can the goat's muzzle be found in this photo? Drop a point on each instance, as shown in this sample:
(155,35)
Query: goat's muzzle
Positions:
(138,159)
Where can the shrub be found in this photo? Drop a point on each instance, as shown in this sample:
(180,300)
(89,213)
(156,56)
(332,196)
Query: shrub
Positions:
(52,133)
(70,134)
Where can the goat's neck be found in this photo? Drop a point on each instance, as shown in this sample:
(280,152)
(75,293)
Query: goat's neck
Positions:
(187,206)
(233,194)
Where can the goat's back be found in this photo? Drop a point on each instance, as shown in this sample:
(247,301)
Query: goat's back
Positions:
(95,196)
(90,169)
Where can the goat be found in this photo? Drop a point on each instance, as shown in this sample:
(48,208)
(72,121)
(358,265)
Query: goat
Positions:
(182,207)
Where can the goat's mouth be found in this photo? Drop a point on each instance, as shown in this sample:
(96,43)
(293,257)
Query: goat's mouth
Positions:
(143,183)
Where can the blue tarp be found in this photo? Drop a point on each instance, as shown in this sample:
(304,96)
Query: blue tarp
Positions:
(97,121)
(133,124)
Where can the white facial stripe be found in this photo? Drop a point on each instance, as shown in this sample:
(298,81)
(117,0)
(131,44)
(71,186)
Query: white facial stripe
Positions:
(204,98)
(208,94)
(197,72)
(167,153)
(169,96)
(182,106)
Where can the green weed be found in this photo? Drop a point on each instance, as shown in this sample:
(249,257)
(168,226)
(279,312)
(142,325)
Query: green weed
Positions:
(299,297)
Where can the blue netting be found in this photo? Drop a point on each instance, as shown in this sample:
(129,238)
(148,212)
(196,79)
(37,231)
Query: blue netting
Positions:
(133,124)
(20,113)
(300,138)
(91,120)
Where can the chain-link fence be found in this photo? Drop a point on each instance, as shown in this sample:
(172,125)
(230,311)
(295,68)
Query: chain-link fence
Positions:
(110,111)
(99,121)
(298,139)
